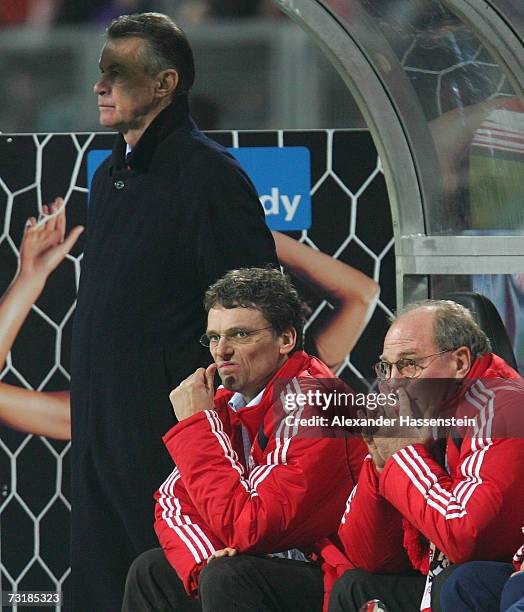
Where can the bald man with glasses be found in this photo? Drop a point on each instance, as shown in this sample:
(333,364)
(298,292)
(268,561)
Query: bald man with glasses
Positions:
(422,503)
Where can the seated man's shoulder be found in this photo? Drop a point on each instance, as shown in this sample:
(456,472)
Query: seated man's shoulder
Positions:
(494,407)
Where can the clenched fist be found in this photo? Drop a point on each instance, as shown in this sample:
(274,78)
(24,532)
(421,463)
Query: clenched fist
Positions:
(195,393)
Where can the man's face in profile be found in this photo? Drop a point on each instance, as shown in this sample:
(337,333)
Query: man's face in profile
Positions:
(126,93)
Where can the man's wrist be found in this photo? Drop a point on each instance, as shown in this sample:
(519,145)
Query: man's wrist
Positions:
(183,414)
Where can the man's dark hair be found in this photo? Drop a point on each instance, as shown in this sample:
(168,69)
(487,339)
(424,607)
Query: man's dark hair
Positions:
(454,326)
(265,289)
(167,45)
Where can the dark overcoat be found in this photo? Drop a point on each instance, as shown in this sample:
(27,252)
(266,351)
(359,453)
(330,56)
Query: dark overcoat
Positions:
(162,226)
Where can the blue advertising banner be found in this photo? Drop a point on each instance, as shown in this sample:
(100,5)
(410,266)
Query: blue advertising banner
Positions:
(94,159)
(282,176)
(283,181)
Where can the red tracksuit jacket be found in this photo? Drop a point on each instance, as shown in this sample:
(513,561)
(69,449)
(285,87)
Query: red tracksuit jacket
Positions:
(471,511)
(291,495)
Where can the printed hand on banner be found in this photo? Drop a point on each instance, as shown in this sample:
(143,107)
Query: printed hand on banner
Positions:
(384,441)
(195,393)
(44,244)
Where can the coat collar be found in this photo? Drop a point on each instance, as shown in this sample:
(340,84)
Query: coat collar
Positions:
(173,117)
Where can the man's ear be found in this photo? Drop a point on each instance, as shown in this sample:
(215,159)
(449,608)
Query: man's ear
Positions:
(167,83)
(288,340)
(462,358)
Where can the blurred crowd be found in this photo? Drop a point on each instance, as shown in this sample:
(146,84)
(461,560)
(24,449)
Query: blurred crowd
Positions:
(48,100)
(45,13)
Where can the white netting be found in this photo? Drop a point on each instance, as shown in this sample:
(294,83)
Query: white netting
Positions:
(34,510)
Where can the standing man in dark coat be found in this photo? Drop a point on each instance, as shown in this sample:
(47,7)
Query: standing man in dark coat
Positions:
(170,212)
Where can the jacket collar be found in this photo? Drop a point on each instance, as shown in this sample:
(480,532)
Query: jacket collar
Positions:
(173,117)
(297,362)
(491,366)
(300,364)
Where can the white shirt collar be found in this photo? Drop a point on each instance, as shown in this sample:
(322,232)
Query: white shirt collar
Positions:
(238,401)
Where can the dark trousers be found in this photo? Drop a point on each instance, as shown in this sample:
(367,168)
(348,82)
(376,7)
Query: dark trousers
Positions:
(240,583)
(481,586)
(512,599)
(399,593)
(105,538)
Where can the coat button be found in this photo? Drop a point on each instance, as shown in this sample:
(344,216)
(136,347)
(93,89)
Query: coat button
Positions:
(119,184)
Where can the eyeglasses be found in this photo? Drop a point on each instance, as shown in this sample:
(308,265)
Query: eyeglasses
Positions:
(409,368)
(234,336)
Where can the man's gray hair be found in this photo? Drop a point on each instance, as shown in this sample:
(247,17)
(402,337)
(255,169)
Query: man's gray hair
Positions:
(167,46)
(454,326)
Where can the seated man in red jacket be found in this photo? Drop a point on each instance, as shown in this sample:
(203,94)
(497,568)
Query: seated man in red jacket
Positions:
(249,477)
(413,512)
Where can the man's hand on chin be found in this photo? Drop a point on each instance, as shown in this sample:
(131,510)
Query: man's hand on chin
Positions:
(195,393)
(385,442)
